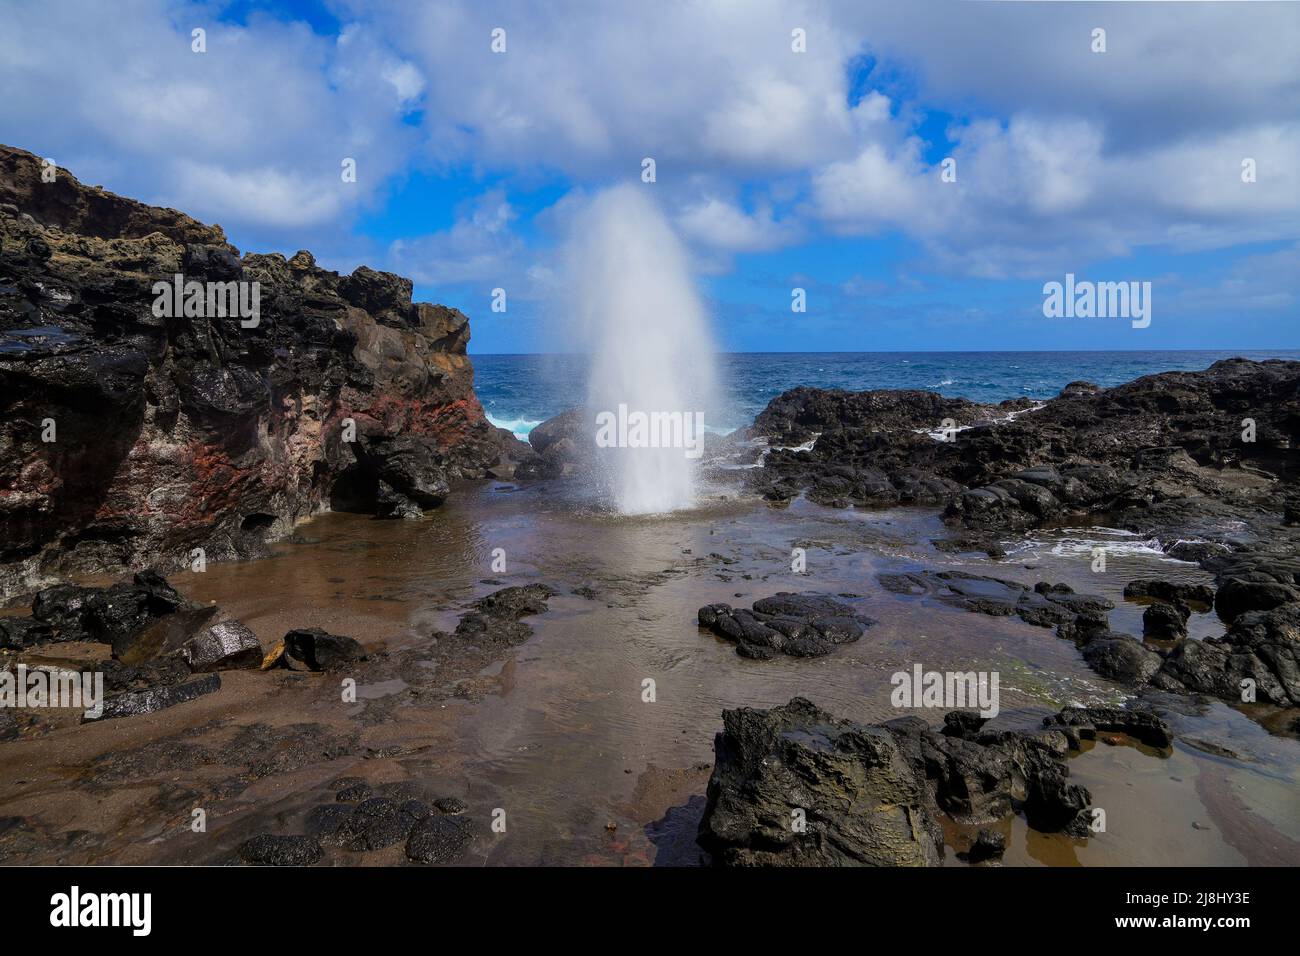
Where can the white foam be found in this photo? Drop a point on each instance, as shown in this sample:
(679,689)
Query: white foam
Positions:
(1082,542)
(519,427)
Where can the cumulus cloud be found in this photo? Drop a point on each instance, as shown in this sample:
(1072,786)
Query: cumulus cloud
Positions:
(726,227)
(1063,155)
(251,133)
(696,86)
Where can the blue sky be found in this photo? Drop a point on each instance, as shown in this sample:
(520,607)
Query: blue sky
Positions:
(778,169)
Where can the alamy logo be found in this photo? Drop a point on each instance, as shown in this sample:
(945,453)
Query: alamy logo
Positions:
(75,909)
(651,430)
(949,690)
(1099,300)
(208,300)
(53,687)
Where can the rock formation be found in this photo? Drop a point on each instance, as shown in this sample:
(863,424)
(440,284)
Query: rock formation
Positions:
(128,438)
(794,786)
(1163,451)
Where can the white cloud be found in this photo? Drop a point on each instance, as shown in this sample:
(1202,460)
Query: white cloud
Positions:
(250,133)
(479,247)
(727,228)
(1063,155)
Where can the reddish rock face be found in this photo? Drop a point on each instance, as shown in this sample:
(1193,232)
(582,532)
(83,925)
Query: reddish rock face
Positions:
(128,439)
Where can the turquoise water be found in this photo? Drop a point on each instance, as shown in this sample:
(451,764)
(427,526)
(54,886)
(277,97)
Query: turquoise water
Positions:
(519,391)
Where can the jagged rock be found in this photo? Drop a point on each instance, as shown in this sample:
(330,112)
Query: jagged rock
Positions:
(159,672)
(988,844)
(60,607)
(1157,453)
(266,849)
(798,414)
(17,633)
(1080,389)
(228,645)
(1262,647)
(494,620)
(238,432)
(1240,595)
(965,724)
(378,822)
(134,703)
(1084,722)
(799,625)
(314,649)
(142,620)
(393,504)
(1170,593)
(859,796)
(874,795)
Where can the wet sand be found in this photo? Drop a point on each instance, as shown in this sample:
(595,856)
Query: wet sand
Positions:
(556,732)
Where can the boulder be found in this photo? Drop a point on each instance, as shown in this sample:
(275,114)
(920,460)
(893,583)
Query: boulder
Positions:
(798,625)
(1169,592)
(854,787)
(314,649)
(1165,621)
(18,633)
(794,786)
(1239,595)
(1121,658)
(228,645)
(439,839)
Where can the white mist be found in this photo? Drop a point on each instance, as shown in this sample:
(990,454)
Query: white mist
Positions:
(637,310)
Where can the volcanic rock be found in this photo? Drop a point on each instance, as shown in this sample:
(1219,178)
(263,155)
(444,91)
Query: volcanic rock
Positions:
(799,625)
(1159,454)
(134,703)
(439,839)
(266,849)
(794,786)
(228,645)
(176,432)
(313,649)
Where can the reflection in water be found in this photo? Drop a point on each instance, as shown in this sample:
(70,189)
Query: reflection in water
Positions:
(588,769)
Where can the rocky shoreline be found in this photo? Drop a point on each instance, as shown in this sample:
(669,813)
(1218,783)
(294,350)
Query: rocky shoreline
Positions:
(179,440)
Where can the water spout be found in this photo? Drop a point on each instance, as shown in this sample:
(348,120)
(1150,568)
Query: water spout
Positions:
(651,378)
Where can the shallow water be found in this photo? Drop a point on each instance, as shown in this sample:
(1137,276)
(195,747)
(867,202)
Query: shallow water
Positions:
(589,772)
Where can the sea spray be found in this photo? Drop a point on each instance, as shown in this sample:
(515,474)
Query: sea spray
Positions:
(636,309)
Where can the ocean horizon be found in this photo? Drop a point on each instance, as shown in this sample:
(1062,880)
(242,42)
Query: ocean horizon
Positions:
(520,391)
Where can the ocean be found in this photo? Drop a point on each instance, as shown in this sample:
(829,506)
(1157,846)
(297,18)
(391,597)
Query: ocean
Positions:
(520,391)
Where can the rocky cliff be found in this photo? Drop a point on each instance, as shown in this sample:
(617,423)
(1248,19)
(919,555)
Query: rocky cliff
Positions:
(129,439)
